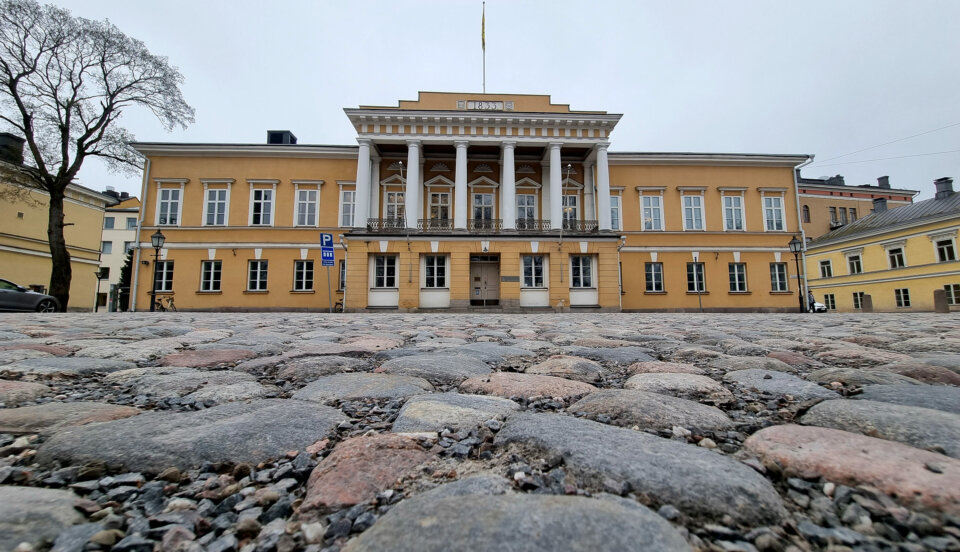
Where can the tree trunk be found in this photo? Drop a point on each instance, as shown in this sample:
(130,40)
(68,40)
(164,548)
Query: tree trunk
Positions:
(60,271)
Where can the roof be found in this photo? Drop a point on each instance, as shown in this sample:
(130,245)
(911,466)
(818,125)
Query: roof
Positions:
(893,219)
(694,158)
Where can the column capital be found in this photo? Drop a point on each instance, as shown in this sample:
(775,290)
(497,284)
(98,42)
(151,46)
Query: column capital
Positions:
(461,144)
(602,146)
(365,141)
(508,145)
(556,145)
(413,143)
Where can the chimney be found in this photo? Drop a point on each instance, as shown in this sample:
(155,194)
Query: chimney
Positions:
(836,181)
(879,204)
(883,182)
(944,187)
(11,148)
(281,137)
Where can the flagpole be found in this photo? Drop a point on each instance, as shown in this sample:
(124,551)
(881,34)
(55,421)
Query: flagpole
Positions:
(483,44)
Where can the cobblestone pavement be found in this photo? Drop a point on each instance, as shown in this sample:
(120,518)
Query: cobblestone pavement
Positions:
(259,432)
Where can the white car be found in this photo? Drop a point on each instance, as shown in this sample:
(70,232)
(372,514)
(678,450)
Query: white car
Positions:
(819,307)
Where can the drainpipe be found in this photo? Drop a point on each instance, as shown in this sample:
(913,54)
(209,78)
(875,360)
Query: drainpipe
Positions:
(135,269)
(803,236)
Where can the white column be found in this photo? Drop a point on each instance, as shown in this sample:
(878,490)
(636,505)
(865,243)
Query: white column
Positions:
(603,187)
(460,187)
(362,205)
(509,187)
(556,187)
(412,193)
(375,188)
(589,195)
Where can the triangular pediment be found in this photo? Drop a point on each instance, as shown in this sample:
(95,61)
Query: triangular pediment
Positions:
(439,180)
(483,181)
(527,182)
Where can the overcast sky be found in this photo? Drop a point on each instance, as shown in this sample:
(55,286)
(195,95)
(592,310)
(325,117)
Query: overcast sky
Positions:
(823,77)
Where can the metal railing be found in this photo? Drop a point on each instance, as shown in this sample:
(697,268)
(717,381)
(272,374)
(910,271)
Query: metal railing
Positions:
(484,225)
(392,225)
(433,225)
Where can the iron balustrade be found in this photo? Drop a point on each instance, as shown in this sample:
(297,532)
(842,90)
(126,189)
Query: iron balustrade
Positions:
(436,225)
(387,225)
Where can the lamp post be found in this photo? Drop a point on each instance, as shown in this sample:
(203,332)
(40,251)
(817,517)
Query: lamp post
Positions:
(156,239)
(796,246)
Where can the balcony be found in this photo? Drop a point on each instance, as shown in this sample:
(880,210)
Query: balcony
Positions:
(479,226)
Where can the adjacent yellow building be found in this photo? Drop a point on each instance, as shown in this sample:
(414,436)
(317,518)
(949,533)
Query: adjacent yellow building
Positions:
(467,202)
(892,260)
(828,203)
(24,247)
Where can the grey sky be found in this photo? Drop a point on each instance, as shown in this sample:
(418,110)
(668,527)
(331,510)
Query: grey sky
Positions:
(822,77)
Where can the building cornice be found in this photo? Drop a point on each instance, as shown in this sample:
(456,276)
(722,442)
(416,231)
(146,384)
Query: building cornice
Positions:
(690,158)
(161,149)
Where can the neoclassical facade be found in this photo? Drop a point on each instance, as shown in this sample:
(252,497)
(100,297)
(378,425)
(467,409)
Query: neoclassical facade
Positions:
(469,201)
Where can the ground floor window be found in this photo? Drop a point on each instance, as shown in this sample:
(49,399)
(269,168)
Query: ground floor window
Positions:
(303,275)
(210,275)
(435,271)
(858,299)
(653,273)
(257,276)
(385,271)
(695,277)
(830,301)
(778,277)
(738,277)
(953,294)
(533,271)
(342,281)
(902,296)
(163,277)
(581,271)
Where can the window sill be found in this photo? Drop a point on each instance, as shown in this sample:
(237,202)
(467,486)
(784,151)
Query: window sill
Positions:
(384,289)
(255,291)
(435,289)
(301,291)
(216,292)
(654,293)
(740,292)
(534,289)
(583,289)
(698,293)
(781,293)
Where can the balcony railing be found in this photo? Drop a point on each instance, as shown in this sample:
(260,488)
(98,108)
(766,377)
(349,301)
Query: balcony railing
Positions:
(527,226)
(484,225)
(392,225)
(435,225)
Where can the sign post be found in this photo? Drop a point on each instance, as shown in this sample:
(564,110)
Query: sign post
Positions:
(326,259)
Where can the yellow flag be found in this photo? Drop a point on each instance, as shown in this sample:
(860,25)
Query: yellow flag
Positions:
(483,28)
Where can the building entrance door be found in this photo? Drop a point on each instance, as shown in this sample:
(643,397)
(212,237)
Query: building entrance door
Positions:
(484,280)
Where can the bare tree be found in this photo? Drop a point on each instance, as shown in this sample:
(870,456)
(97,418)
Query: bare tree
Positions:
(64,83)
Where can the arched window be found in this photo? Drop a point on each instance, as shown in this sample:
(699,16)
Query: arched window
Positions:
(806,213)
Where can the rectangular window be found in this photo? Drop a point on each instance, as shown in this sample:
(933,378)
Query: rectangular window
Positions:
(440,206)
(830,301)
(902,296)
(953,294)
(853,215)
(261,213)
(104,273)
(826,269)
(738,277)
(833,216)
(303,275)
(533,271)
(581,269)
(652,213)
(654,277)
(853,262)
(163,276)
(394,206)
(257,276)
(347,199)
(216,208)
(210,275)
(131,223)
(858,299)
(385,271)
(843,215)
(108,223)
(778,277)
(482,206)
(692,212)
(106,247)
(435,271)
(306,207)
(615,212)
(895,254)
(732,212)
(127,246)
(570,211)
(695,277)
(945,251)
(342,280)
(169,214)
(526,207)
(773,213)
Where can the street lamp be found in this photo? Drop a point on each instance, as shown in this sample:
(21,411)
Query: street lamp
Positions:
(156,240)
(796,246)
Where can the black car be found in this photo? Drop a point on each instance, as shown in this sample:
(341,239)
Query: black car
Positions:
(19,298)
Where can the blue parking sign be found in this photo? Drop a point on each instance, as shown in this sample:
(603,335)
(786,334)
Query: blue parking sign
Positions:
(326,240)
(326,256)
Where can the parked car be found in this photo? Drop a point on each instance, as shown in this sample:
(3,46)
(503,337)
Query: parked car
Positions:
(19,298)
(819,307)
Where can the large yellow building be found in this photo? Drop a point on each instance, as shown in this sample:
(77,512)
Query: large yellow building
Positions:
(24,246)
(892,260)
(468,201)
(828,203)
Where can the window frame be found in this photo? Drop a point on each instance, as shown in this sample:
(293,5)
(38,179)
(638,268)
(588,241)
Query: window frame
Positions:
(254,202)
(902,297)
(109,223)
(211,273)
(312,206)
(830,301)
(779,210)
(439,201)
(826,269)
(582,272)
(483,206)
(342,213)
(854,264)
(696,277)
(226,207)
(896,257)
(262,273)
(395,205)
(106,247)
(738,277)
(616,206)
(163,276)
(389,272)
(805,214)
(131,220)
(653,209)
(342,275)
(953,294)
(944,245)
(303,275)
(161,202)
(779,277)
(537,277)
(694,209)
(653,277)
(735,210)
(858,300)
(570,210)
(532,207)
(435,271)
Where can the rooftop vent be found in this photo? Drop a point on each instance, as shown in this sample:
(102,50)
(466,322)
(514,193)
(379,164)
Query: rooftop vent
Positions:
(879,204)
(836,181)
(883,182)
(944,187)
(11,148)
(281,137)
